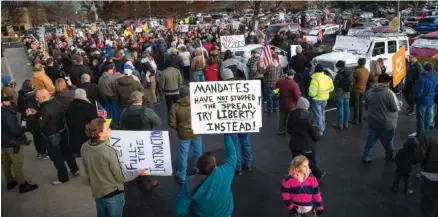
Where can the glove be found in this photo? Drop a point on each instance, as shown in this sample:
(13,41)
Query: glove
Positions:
(319,212)
(294,210)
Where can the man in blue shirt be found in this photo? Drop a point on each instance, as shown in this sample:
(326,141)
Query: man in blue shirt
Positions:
(425,93)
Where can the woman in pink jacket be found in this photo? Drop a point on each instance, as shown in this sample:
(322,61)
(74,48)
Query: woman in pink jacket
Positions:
(300,190)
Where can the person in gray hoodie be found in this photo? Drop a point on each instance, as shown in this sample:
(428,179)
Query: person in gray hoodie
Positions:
(382,106)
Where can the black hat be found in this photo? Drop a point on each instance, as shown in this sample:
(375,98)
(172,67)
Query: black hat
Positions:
(361,61)
(290,72)
(340,64)
(319,68)
(384,78)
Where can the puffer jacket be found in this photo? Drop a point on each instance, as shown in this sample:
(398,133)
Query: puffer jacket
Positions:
(42,81)
(180,119)
(125,86)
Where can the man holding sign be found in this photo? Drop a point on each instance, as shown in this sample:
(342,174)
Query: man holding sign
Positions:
(102,167)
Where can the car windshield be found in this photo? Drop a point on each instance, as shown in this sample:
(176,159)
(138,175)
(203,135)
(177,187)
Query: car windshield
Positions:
(428,20)
(428,43)
(216,17)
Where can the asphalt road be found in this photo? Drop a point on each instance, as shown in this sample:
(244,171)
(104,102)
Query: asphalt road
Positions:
(349,189)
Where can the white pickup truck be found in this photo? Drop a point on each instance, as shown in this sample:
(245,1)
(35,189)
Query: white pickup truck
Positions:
(373,47)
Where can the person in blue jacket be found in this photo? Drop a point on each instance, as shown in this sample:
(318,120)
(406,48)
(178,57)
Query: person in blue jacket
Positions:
(426,88)
(208,194)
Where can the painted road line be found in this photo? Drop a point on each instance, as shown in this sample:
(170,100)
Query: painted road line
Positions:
(331,109)
(9,68)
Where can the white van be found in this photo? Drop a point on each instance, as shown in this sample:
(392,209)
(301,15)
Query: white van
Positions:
(351,48)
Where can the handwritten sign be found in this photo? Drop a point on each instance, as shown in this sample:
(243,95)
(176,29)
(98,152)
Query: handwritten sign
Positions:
(226,107)
(184,28)
(143,150)
(232,42)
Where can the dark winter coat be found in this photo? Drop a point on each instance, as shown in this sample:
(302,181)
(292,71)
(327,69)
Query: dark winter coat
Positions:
(91,90)
(79,114)
(65,98)
(125,86)
(76,73)
(303,134)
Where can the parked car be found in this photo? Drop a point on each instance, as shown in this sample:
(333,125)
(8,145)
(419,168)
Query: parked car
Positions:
(426,45)
(427,25)
(284,27)
(329,34)
(243,54)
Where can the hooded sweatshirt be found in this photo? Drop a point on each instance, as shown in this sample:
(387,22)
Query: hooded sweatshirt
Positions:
(426,88)
(42,81)
(180,119)
(213,197)
(382,106)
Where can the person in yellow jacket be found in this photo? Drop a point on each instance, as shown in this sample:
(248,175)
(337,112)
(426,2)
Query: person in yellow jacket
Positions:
(320,88)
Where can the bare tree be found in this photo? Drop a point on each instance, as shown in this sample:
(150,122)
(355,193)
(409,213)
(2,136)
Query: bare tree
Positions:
(12,12)
(256,6)
(321,4)
(60,11)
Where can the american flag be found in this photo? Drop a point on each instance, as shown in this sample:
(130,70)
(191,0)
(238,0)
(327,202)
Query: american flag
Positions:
(267,55)
(320,33)
(101,112)
(340,29)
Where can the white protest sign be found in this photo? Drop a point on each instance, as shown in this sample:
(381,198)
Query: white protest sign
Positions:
(184,28)
(236,25)
(138,29)
(281,16)
(232,42)
(293,50)
(143,150)
(226,107)
(70,41)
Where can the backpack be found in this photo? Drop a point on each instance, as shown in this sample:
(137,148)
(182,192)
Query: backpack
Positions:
(134,120)
(211,73)
(344,82)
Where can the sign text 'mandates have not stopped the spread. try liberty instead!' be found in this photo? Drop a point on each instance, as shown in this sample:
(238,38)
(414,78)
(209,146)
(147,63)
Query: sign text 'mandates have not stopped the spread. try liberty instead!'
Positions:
(226,107)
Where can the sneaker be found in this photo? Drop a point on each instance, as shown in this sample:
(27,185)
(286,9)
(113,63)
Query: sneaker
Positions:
(179,180)
(26,187)
(59,182)
(339,127)
(410,113)
(282,133)
(346,126)
(77,173)
(264,102)
(11,185)
(366,161)
(246,168)
(45,157)
(26,142)
(238,173)
(39,156)
(409,191)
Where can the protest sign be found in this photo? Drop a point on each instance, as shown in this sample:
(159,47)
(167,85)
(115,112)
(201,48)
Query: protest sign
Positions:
(143,150)
(226,107)
(184,28)
(293,50)
(70,41)
(138,29)
(232,42)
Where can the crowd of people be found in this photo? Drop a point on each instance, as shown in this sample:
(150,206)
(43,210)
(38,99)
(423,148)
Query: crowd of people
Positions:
(129,77)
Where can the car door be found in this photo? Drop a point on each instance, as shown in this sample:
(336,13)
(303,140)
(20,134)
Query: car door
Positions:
(282,57)
(379,51)
(392,48)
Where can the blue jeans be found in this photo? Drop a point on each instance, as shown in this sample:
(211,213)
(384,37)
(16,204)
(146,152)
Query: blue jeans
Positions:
(198,76)
(343,107)
(241,141)
(386,138)
(424,118)
(318,114)
(111,206)
(59,152)
(270,103)
(184,147)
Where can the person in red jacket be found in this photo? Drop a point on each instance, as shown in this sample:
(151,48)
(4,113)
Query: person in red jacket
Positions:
(289,93)
(211,70)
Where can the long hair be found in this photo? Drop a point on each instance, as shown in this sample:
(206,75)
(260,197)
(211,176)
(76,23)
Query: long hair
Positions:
(60,85)
(27,85)
(296,162)
(375,68)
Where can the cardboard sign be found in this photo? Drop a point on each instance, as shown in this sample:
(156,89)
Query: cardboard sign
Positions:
(70,41)
(232,42)
(281,16)
(226,107)
(293,50)
(138,29)
(169,23)
(184,28)
(143,150)
(398,66)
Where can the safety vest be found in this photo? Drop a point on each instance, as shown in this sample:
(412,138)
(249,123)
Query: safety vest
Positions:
(320,86)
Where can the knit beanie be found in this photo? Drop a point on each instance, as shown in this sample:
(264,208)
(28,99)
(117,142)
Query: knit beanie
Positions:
(81,94)
(6,79)
(303,103)
(184,91)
